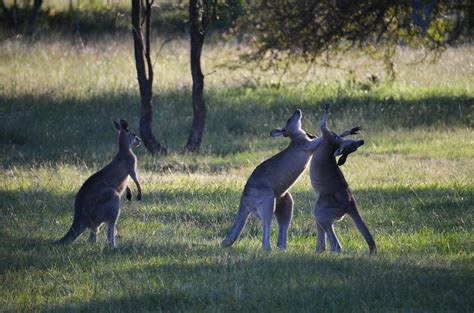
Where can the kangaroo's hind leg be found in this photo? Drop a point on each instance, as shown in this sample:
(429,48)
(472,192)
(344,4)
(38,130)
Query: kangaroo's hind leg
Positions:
(323,212)
(265,208)
(284,214)
(321,241)
(335,245)
(110,234)
(93,234)
(111,211)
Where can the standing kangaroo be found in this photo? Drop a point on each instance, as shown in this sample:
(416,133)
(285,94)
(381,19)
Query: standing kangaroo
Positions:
(98,200)
(267,189)
(335,196)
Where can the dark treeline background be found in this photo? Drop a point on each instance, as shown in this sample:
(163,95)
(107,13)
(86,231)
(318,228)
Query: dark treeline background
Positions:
(98,17)
(346,19)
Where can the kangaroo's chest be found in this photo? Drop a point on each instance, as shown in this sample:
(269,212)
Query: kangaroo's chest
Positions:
(326,177)
(287,173)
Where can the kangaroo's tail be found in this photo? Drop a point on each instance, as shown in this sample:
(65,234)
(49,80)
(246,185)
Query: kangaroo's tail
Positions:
(76,228)
(236,230)
(359,222)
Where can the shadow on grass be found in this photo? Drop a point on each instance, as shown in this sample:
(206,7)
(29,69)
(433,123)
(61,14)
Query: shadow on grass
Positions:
(43,129)
(287,283)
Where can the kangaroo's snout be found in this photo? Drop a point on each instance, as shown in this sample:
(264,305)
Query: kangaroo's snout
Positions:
(296,117)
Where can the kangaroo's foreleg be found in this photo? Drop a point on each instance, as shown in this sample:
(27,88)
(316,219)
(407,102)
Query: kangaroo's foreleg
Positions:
(359,222)
(133,175)
(238,226)
(323,126)
(284,214)
(352,131)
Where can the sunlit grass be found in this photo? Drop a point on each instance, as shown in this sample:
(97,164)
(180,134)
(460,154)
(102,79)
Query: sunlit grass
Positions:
(109,66)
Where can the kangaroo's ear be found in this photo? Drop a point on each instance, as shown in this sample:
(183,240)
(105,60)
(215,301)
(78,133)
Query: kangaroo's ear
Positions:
(117,125)
(124,124)
(277,132)
(339,151)
(342,160)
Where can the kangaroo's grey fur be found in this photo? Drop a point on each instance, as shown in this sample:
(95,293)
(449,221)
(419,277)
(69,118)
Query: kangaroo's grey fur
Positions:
(335,197)
(267,189)
(98,200)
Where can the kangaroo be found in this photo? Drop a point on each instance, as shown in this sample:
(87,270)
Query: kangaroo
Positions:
(98,200)
(335,197)
(267,189)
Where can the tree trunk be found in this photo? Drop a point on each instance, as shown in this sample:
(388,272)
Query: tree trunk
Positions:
(8,15)
(15,16)
(144,68)
(30,30)
(199,16)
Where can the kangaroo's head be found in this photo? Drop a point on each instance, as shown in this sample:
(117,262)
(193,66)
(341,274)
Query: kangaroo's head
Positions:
(292,127)
(126,136)
(346,147)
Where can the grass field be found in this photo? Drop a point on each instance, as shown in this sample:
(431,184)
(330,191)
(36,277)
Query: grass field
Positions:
(413,179)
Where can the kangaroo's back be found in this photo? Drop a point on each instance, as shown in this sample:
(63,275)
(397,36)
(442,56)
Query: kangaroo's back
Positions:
(113,176)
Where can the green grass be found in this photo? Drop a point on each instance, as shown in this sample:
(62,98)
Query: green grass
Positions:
(413,179)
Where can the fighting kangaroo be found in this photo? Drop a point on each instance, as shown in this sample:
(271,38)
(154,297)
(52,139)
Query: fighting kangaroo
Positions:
(267,189)
(335,197)
(98,200)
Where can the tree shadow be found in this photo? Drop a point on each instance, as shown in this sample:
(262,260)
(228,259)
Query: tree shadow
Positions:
(43,130)
(288,283)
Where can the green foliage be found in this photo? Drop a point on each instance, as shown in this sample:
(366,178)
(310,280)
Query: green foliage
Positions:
(309,29)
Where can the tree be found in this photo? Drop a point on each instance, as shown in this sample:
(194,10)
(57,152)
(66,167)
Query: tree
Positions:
(11,16)
(30,30)
(305,29)
(200,16)
(141,14)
